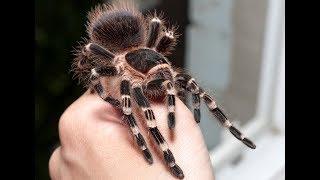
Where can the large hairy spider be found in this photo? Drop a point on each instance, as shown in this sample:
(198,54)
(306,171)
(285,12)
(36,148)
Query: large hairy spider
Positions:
(124,57)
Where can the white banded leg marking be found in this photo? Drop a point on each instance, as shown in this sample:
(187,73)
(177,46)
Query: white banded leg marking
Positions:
(94,72)
(227,124)
(193,86)
(99,50)
(164,146)
(172,164)
(151,124)
(126,107)
(144,104)
(212,105)
(156,19)
(171,108)
(143,147)
(150,118)
(95,81)
(170,102)
(135,130)
(153,31)
(169,34)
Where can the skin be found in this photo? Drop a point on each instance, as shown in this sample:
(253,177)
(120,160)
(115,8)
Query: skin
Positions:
(97,144)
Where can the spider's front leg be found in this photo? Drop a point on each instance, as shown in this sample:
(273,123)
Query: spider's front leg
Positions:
(154,30)
(95,78)
(162,40)
(127,111)
(144,104)
(189,84)
(170,97)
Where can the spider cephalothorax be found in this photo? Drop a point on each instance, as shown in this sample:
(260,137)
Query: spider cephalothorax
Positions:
(124,57)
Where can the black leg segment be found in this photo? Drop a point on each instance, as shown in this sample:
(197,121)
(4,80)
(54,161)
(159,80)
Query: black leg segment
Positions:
(99,50)
(154,31)
(126,109)
(187,82)
(157,136)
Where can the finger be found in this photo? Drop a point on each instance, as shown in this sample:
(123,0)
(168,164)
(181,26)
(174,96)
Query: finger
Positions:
(186,141)
(55,164)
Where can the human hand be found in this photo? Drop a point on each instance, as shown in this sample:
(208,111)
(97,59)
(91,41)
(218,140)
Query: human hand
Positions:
(97,144)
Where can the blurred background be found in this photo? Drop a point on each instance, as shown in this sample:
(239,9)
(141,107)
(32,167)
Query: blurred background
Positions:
(235,49)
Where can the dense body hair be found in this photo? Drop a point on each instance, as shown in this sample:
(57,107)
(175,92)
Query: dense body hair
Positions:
(118,27)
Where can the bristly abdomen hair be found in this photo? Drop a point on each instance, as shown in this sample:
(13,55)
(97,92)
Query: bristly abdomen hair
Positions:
(117,27)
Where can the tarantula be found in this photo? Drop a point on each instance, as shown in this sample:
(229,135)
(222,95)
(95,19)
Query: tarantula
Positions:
(124,57)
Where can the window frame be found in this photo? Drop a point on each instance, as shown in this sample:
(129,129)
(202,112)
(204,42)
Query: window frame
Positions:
(272,68)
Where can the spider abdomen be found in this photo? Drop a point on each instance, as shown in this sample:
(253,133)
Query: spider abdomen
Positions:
(144,59)
(117,28)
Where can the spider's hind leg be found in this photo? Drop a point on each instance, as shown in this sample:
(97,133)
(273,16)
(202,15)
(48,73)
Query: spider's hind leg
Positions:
(186,82)
(220,115)
(191,86)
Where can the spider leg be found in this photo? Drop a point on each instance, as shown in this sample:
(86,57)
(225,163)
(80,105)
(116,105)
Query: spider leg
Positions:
(153,32)
(171,100)
(188,83)
(218,113)
(96,74)
(126,109)
(125,105)
(170,97)
(192,86)
(98,50)
(144,104)
(181,92)
(166,42)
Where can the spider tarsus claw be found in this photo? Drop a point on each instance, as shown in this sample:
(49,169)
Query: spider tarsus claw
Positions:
(196,114)
(148,156)
(177,171)
(249,143)
(171,120)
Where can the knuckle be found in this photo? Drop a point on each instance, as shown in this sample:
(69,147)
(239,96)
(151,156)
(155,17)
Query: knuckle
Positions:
(69,129)
(65,126)
(53,163)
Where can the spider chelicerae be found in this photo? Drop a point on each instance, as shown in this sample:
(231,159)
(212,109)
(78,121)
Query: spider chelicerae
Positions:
(124,59)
